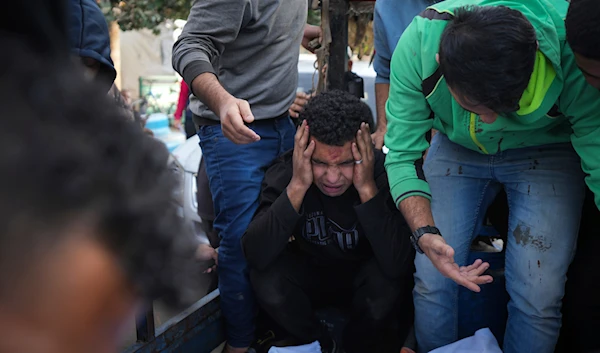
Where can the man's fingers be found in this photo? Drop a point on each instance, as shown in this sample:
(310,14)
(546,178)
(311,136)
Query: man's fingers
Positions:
(355,153)
(309,150)
(300,131)
(244,134)
(368,142)
(377,140)
(245,111)
(467,283)
(295,110)
(475,265)
(303,141)
(235,126)
(479,270)
(480,279)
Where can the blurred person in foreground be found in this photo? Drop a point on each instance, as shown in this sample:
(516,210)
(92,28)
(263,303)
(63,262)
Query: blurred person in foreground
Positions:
(90,42)
(87,227)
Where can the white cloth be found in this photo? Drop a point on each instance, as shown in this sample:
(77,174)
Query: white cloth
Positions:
(482,342)
(314,347)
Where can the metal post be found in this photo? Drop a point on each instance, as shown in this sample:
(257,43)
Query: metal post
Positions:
(337,65)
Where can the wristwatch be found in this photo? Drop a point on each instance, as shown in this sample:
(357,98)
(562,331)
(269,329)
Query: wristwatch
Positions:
(418,233)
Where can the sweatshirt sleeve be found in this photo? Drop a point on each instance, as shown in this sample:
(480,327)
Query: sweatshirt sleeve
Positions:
(274,222)
(580,102)
(409,119)
(211,25)
(388,234)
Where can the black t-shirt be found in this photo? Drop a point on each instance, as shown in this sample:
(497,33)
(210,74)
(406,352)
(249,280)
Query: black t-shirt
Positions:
(329,228)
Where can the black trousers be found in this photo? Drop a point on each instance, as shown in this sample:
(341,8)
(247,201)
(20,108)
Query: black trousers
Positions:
(293,287)
(581,305)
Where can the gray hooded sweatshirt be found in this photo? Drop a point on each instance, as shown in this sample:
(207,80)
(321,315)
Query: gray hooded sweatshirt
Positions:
(252,46)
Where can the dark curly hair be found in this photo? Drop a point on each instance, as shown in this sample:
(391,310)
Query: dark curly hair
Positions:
(335,116)
(583,28)
(68,156)
(487,55)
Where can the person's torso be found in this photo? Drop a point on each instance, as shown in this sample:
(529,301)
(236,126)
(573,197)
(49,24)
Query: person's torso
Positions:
(260,66)
(330,230)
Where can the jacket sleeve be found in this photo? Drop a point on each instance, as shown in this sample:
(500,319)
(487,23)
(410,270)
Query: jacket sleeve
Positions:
(274,222)
(580,102)
(211,25)
(387,232)
(408,116)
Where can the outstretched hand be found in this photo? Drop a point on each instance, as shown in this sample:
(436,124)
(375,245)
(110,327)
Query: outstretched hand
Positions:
(442,256)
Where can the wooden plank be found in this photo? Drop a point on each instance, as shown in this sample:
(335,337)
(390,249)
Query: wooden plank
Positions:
(199,329)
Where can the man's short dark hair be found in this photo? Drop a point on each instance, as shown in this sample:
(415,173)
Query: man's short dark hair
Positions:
(68,156)
(334,117)
(487,55)
(583,28)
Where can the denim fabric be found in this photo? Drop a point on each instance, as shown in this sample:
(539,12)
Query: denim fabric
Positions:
(545,189)
(235,173)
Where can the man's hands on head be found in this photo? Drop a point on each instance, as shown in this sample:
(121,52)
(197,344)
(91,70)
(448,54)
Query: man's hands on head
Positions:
(417,212)
(302,177)
(362,151)
(234,113)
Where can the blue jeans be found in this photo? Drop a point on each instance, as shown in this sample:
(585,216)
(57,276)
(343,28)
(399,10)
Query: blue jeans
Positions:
(545,189)
(235,173)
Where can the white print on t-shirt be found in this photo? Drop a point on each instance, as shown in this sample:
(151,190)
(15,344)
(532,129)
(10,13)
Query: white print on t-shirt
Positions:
(319,230)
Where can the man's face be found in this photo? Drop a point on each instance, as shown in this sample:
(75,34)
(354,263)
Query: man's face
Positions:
(333,168)
(590,69)
(487,115)
(77,300)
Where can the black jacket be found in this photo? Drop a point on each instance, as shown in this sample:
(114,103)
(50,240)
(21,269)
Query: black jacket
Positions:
(331,230)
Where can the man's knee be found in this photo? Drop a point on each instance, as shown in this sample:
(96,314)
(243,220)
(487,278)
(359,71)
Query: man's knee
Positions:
(540,297)
(381,294)
(270,287)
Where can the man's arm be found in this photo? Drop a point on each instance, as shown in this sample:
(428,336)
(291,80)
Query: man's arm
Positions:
(409,121)
(382,92)
(211,26)
(275,219)
(381,64)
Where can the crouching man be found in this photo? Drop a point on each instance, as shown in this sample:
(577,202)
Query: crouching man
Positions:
(327,232)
